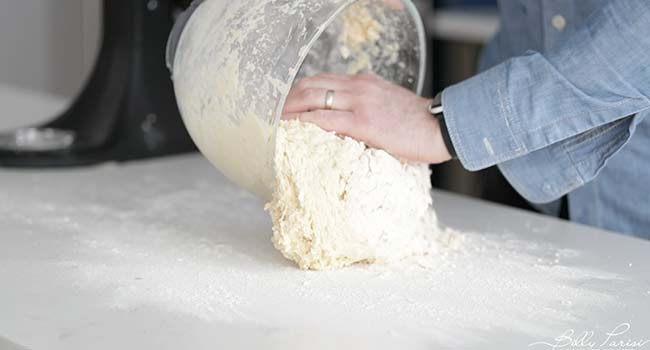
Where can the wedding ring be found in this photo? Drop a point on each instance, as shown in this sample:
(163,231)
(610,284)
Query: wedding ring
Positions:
(329,99)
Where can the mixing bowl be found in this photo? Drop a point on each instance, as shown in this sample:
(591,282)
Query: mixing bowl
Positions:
(234,62)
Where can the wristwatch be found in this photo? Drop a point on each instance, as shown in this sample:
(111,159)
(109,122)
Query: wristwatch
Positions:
(436,109)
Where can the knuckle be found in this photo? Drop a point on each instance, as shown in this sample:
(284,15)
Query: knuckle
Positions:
(328,76)
(302,94)
(309,94)
(363,102)
(360,120)
(342,122)
(362,86)
(375,88)
(318,114)
(367,76)
(301,85)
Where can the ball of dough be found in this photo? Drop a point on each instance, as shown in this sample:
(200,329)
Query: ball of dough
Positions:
(337,202)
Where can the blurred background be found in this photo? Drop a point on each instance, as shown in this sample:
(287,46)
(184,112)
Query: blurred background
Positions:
(50,47)
(457,31)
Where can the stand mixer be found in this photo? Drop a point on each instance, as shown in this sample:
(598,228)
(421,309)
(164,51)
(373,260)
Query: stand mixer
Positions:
(127,109)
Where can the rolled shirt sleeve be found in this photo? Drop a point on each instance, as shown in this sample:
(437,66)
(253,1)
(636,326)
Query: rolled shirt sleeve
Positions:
(551,120)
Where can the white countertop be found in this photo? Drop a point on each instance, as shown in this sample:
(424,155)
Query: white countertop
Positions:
(167,254)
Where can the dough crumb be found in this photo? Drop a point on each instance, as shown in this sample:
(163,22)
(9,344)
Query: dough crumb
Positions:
(337,202)
(360,35)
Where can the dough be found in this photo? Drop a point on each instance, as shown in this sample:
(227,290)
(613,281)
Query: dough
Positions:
(360,36)
(337,202)
(361,41)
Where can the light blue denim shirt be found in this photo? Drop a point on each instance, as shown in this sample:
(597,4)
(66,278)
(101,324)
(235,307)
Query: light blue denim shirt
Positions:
(563,108)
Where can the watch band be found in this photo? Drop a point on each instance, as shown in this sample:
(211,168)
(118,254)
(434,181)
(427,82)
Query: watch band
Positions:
(436,105)
(437,110)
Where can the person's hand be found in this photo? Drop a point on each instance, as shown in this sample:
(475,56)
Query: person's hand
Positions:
(371,110)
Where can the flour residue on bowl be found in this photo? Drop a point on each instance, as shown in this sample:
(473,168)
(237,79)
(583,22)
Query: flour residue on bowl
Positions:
(236,61)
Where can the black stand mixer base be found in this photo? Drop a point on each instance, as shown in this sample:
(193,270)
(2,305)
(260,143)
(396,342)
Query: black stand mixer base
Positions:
(127,110)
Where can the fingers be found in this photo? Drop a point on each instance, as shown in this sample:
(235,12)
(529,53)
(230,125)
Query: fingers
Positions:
(325,82)
(306,100)
(339,122)
(310,93)
(312,99)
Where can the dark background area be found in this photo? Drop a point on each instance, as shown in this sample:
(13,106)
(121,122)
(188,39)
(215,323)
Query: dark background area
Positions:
(451,61)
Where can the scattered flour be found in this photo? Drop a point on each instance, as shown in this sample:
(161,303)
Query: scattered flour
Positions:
(337,202)
(190,243)
(450,299)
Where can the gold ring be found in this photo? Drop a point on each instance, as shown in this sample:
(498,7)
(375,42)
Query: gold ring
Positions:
(329,99)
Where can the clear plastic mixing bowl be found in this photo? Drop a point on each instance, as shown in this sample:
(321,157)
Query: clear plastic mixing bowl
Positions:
(233,63)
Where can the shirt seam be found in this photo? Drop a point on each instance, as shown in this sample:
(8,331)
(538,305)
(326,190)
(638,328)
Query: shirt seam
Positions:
(569,155)
(506,108)
(604,155)
(589,136)
(555,122)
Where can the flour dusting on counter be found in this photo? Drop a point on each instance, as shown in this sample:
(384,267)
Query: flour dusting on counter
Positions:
(174,237)
(491,284)
(188,242)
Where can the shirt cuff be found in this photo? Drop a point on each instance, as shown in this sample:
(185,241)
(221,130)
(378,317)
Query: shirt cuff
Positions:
(479,118)
(549,173)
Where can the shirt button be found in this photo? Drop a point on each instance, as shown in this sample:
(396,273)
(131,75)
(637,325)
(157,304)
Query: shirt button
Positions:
(548,188)
(558,22)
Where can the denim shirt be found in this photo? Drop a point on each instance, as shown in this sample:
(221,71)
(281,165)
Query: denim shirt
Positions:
(562,108)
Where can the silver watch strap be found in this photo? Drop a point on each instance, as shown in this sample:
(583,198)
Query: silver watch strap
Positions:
(435,109)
